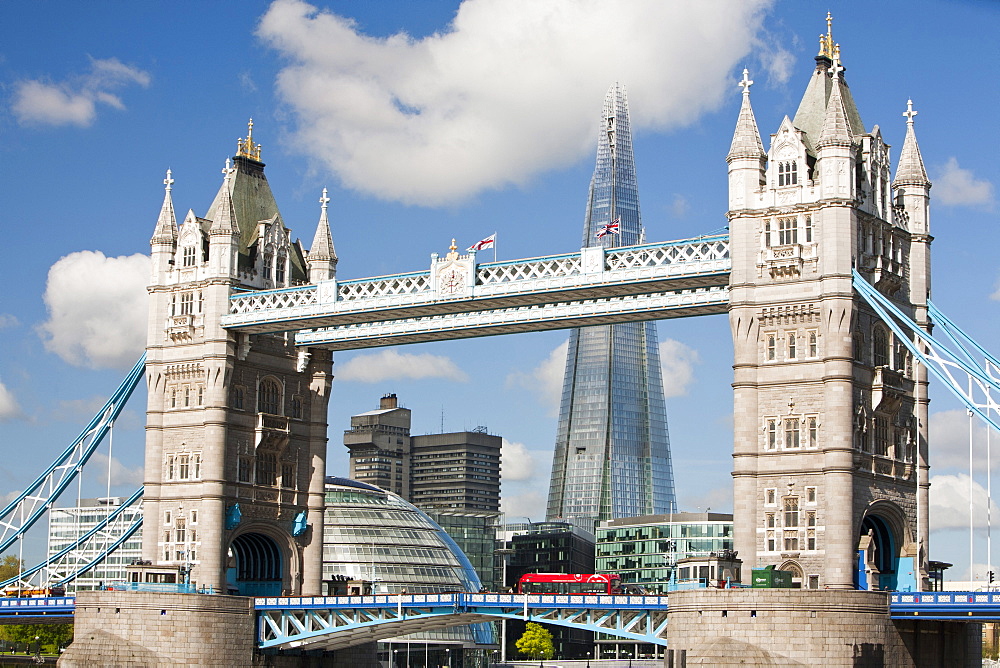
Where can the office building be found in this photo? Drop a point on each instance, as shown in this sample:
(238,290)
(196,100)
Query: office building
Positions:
(612,453)
(68,526)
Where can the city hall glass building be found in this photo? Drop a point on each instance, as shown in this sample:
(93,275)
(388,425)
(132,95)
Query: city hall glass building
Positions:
(612,454)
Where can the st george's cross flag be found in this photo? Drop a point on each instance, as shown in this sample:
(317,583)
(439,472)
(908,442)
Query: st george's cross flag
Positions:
(611,228)
(488,242)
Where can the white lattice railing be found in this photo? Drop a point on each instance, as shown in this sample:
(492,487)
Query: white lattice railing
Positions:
(526,270)
(554,272)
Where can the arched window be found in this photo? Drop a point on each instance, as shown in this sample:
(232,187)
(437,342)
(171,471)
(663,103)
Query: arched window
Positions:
(880,347)
(269,397)
(279,268)
(267,469)
(268,261)
(188,258)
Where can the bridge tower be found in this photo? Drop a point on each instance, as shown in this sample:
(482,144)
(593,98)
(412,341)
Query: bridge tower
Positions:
(830,410)
(236,423)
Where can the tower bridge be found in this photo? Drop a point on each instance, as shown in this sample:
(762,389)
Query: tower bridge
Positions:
(825,274)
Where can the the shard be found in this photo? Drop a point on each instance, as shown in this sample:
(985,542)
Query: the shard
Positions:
(612,454)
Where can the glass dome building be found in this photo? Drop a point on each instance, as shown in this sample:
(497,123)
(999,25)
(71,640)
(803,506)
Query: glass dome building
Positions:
(374,536)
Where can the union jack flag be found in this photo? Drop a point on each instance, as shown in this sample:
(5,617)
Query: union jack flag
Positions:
(488,242)
(611,228)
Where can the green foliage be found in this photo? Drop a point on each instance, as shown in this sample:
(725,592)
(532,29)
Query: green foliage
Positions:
(9,567)
(536,642)
(50,636)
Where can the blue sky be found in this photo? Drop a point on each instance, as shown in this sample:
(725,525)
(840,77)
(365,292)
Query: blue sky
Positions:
(435,120)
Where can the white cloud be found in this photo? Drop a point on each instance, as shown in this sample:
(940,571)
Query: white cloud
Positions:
(97,309)
(677,362)
(74,102)
(679,206)
(949,441)
(949,501)
(528,503)
(510,89)
(392,365)
(996,294)
(9,408)
(8,497)
(545,380)
(120,474)
(8,320)
(516,461)
(959,187)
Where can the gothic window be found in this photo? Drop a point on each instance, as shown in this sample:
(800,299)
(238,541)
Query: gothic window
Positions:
(194,520)
(183,467)
(201,395)
(792,433)
(808,229)
(811,518)
(771,346)
(269,397)
(238,397)
(810,495)
(195,473)
(791,541)
(787,173)
(858,341)
(881,436)
(187,396)
(170,475)
(811,545)
(243,468)
(267,469)
(180,531)
(792,352)
(296,406)
(166,519)
(288,475)
(772,434)
(813,427)
(813,343)
(769,520)
(769,496)
(767,233)
(770,541)
(266,271)
(279,269)
(187,303)
(173,398)
(788,232)
(880,347)
(188,259)
(791,507)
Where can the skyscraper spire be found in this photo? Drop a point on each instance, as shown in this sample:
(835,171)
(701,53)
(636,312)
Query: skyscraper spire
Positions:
(166,224)
(911,165)
(612,454)
(746,138)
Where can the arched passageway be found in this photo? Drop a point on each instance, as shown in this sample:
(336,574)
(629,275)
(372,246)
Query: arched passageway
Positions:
(255,568)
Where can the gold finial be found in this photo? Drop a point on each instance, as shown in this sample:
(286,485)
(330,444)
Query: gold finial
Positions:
(247,148)
(826,46)
(452,251)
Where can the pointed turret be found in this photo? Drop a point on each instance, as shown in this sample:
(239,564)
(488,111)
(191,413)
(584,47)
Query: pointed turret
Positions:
(746,158)
(836,127)
(835,147)
(322,259)
(224,234)
(166,224)
(911,170)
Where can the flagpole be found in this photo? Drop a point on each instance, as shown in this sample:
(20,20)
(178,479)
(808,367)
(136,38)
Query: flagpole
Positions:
(494,245)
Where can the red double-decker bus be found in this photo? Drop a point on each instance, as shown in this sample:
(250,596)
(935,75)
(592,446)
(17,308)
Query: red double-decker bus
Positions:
(569,583)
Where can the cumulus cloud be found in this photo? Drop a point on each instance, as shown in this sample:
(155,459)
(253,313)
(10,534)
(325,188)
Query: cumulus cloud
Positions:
(679,206)
(509,89)
(391,365)
(516,461)
(97,309)
(75,101)
(529,503)
(9,497)
(677,361)
(8,320)
(545,380)
(9,408)
(120,474)
(949,501)
(959,187)
(949,441)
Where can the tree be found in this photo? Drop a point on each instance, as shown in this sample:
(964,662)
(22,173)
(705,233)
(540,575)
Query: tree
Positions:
(10,567)
(536,642)
(50,636)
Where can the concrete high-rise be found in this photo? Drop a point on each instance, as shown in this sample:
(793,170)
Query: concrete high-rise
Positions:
(612,454)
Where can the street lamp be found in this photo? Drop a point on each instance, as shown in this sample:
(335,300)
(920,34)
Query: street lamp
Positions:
(395,654)
(588,659)
(448,654)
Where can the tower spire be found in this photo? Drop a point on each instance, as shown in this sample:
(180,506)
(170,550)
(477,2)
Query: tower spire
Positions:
(746,139)
(836,127)
(224,220)
(911,165)
(166,224)
(322,258)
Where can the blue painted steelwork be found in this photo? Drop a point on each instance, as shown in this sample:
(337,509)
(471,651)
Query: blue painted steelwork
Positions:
(340,621)
(941,360)
(31,504)
(969,606)
(29,610)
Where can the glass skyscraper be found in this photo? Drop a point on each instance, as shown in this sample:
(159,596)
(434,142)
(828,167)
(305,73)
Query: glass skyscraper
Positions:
(612,454)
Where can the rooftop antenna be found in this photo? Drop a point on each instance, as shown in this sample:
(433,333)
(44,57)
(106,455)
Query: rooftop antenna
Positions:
(442,419)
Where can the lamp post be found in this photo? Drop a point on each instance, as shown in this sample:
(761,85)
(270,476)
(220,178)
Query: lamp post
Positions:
(395,652)
(448,654)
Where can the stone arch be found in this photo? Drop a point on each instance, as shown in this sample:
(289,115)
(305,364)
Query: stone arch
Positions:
(270,396)
(883,540)
(798,575)
(262,562)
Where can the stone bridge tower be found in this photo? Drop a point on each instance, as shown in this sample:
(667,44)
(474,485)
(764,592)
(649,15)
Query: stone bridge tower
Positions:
(830,409)
(236,424)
